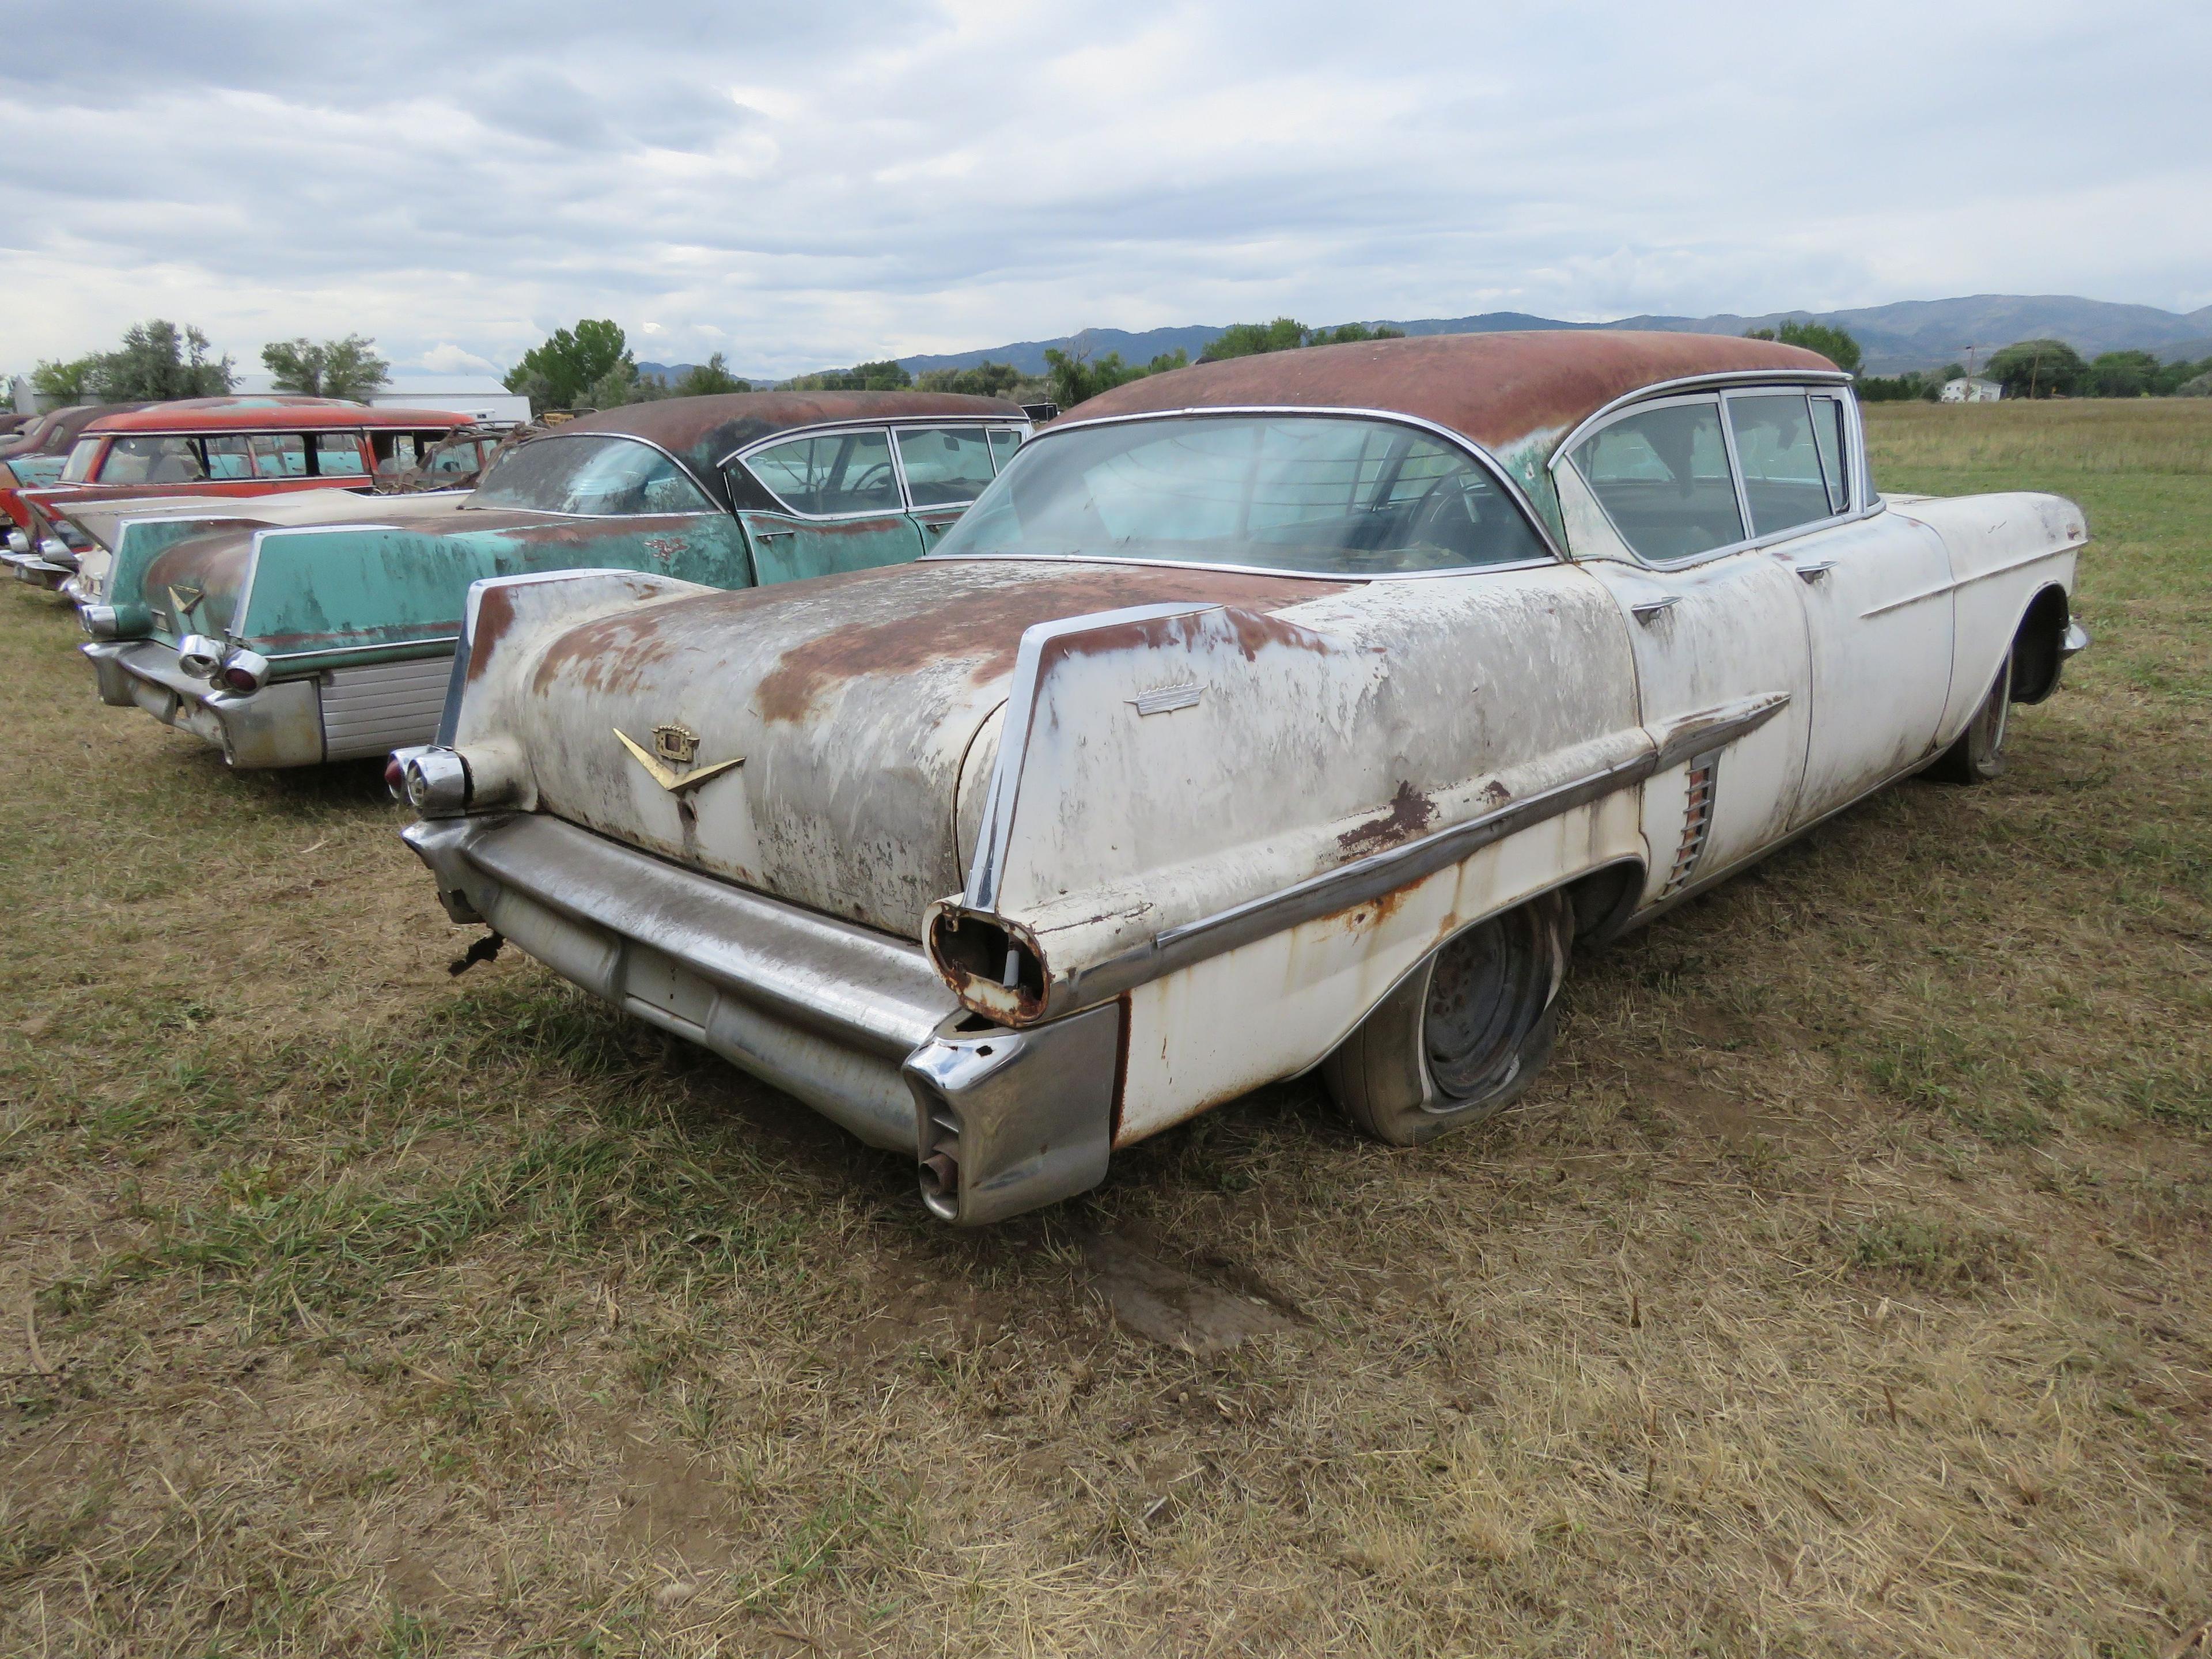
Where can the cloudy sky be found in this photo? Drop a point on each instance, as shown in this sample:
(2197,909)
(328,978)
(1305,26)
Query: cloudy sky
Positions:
(805,185)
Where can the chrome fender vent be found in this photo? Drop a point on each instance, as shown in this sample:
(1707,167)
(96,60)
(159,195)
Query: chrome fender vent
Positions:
(1697,821)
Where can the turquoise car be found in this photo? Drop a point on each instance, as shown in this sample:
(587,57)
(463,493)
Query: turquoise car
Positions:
(307,631)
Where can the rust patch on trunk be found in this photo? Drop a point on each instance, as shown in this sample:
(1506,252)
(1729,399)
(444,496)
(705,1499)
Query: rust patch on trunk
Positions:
(1410,812)
(984,629)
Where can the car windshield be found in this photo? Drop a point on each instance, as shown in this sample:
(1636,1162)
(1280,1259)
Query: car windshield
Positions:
(591,475)
(1309,494)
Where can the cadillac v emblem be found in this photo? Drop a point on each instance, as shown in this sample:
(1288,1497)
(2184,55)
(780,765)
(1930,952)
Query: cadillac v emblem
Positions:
(673,746)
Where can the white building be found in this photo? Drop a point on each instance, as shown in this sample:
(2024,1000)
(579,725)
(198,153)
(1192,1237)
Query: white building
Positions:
(1971,389)
(480,397)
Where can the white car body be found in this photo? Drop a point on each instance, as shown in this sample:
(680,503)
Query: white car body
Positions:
(1010,861)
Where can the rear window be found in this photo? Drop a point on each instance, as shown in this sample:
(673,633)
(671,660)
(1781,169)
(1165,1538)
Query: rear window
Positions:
(82,455)
(1303,493)
(591,475)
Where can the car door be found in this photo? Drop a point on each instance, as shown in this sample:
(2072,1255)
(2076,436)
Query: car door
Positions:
(1717,627)
(944,468)
(843,506)
(1876,591)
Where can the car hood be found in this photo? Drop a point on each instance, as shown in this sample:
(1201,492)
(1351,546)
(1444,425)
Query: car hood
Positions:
(864,708)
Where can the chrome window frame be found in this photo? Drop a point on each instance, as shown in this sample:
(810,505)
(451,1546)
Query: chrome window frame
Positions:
(713,510)
(1865,502)
(886,423)
(906,486)
(1554,554)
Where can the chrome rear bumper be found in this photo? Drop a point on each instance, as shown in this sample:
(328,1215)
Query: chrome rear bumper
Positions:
(38,571)
(854,1022)
(280,724)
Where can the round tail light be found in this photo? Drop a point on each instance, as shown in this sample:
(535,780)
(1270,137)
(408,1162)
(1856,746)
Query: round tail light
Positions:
(244,672)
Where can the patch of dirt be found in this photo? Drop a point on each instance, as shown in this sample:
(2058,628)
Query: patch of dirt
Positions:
(1173,1306)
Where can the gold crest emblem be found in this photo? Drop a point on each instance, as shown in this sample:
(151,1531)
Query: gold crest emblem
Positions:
(677,744)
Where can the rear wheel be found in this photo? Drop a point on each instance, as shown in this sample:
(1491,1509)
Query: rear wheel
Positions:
(1978,755)
(1466,1034)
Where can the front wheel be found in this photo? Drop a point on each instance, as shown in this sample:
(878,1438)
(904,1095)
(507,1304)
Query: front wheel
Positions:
(1466,1034)
(1978,755)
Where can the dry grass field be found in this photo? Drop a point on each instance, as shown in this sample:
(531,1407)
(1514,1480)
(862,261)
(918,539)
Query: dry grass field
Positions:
(1845,1288)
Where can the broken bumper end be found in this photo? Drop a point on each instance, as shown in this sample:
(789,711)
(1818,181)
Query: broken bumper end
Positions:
(854,1022)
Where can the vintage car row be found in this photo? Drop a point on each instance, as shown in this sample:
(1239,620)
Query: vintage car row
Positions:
(1297,711)
(37,454)
(220,446)
(322,629)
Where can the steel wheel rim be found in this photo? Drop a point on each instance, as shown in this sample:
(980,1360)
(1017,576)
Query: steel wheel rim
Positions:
(1486,991)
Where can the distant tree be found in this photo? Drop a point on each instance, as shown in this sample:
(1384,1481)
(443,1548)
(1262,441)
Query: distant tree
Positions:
(1950,372)
(710,379)
(1073,378)
(157,361)
(1350,333)
(1833,343)
(571,363)
(984,379)
(884,376)
(1895,389)
(335,368)
(2172,377)
(2123,374)
(2197,386)
(66,382)
(2039,368)
(1251,339)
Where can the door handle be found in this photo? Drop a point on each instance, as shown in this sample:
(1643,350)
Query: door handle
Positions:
(936,529)
(1649,611)
(1809,574)
(774,535)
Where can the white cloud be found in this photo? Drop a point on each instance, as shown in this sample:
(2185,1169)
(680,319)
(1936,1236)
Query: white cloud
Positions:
(822,185)
(448,359)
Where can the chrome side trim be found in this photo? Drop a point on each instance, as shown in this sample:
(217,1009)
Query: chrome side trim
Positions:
(1958,582)
(1704,733)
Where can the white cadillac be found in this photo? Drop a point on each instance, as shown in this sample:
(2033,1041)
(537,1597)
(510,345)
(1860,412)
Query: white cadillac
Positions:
(1301,710)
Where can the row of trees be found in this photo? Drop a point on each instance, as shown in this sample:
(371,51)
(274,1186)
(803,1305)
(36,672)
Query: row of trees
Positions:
(2026,368)
(1073,377)
(159,361)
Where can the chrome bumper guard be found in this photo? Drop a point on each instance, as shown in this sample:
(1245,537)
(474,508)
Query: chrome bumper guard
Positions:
(855,1023)
(280,724)
(38,572)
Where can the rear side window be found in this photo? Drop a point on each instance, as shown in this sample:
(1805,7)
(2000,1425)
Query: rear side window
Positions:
(1004,441)
(830,473)
(152,461)
(337,455)
(1775,445)
(278,454)
(1663,477)
(228,456)
(945,466)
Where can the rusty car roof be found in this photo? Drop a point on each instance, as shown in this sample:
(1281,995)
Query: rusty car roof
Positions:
(274,414)
(702,431)
(1502,391)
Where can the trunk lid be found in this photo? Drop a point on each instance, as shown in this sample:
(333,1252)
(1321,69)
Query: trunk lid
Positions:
(858,703)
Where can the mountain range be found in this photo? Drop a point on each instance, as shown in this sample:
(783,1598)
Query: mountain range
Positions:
(1923,334)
